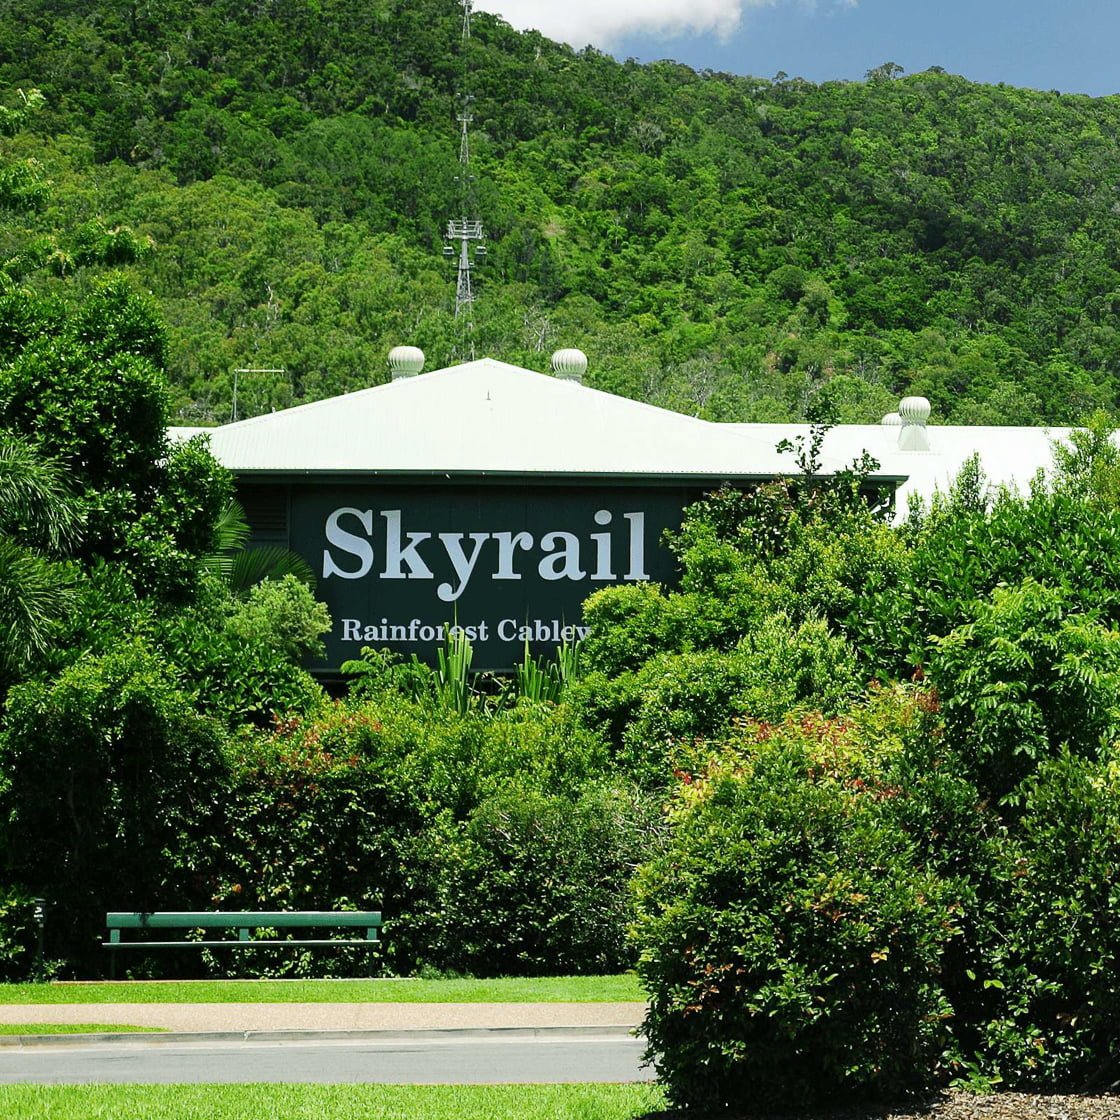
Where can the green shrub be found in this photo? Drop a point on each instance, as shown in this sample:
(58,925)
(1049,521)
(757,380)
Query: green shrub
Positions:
(775,668)
(1026,675)
(237,657)
(240,657)
(282,615)
(789,938)
(359,804)
(540,748)
(754,523)
(606,704)
(958,836)
(529,884)
(316,817)
(1053,538)
(17,934)
(807,551)
(626,626)
(788,666)
(1059,1025)
(631,623)
(682,696)
(114,778)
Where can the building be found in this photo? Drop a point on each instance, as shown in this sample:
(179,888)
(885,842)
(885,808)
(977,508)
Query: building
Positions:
(497,499)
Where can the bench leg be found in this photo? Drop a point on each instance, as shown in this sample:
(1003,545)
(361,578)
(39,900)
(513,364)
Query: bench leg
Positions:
(112,966)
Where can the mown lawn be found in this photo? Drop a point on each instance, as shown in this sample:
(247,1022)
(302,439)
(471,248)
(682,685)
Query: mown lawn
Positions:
(329,1102)
(75,1028)
(553,989)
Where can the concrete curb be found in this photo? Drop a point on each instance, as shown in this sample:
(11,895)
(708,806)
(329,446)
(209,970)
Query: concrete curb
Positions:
(450,1034)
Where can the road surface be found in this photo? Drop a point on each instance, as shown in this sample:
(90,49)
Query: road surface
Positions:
(456,1058)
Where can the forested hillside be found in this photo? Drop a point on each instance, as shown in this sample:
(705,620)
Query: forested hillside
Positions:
(743,248)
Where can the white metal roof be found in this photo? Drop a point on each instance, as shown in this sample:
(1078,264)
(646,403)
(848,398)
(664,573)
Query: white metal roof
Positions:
(1009,456)
(488,417)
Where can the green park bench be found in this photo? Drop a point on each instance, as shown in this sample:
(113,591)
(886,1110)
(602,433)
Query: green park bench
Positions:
(244,923)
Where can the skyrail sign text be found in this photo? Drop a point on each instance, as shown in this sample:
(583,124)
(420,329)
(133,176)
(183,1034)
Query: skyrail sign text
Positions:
(561,553)
(399,566)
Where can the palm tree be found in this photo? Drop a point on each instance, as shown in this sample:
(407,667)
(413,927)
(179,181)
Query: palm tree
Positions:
(39,521)
(240,566)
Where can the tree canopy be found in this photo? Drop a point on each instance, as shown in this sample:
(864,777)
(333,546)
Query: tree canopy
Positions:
(742,248)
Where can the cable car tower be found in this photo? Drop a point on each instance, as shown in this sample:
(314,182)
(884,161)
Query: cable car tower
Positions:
(464,234)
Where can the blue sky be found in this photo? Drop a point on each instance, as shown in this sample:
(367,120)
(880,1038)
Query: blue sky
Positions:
(1069,45)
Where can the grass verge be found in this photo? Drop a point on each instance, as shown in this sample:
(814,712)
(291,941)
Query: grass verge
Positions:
(75,1028)
(552,989)
(329,1102)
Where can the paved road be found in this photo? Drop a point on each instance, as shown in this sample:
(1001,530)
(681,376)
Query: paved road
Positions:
(487,1058)
(328,1016)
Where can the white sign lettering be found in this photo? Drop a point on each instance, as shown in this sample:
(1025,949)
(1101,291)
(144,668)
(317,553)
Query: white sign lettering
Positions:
(415,630)
(411,555)
(349,542)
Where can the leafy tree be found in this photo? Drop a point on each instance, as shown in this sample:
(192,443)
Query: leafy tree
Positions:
(1089,465)
(82,380)
(87,391)
(38,521)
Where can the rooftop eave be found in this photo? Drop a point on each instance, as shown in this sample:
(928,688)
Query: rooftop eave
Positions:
(546,476)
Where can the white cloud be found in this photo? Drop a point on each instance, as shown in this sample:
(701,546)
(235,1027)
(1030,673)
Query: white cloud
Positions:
(602,22)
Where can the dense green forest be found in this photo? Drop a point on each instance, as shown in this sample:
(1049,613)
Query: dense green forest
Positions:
(741,248)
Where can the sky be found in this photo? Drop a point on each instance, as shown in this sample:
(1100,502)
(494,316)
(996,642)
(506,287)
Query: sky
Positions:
(1067,45)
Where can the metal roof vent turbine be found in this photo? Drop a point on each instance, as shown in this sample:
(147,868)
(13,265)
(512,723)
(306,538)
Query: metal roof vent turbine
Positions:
(891,420)
(405,361)
(570,365)
(914,412)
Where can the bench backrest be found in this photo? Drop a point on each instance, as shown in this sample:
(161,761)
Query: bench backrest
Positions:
(219,919)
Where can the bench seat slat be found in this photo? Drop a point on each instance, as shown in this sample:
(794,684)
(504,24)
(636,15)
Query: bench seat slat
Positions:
(230,944)
(218,919)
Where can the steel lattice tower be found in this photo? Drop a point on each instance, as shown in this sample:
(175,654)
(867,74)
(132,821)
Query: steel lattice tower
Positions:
(464,234)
